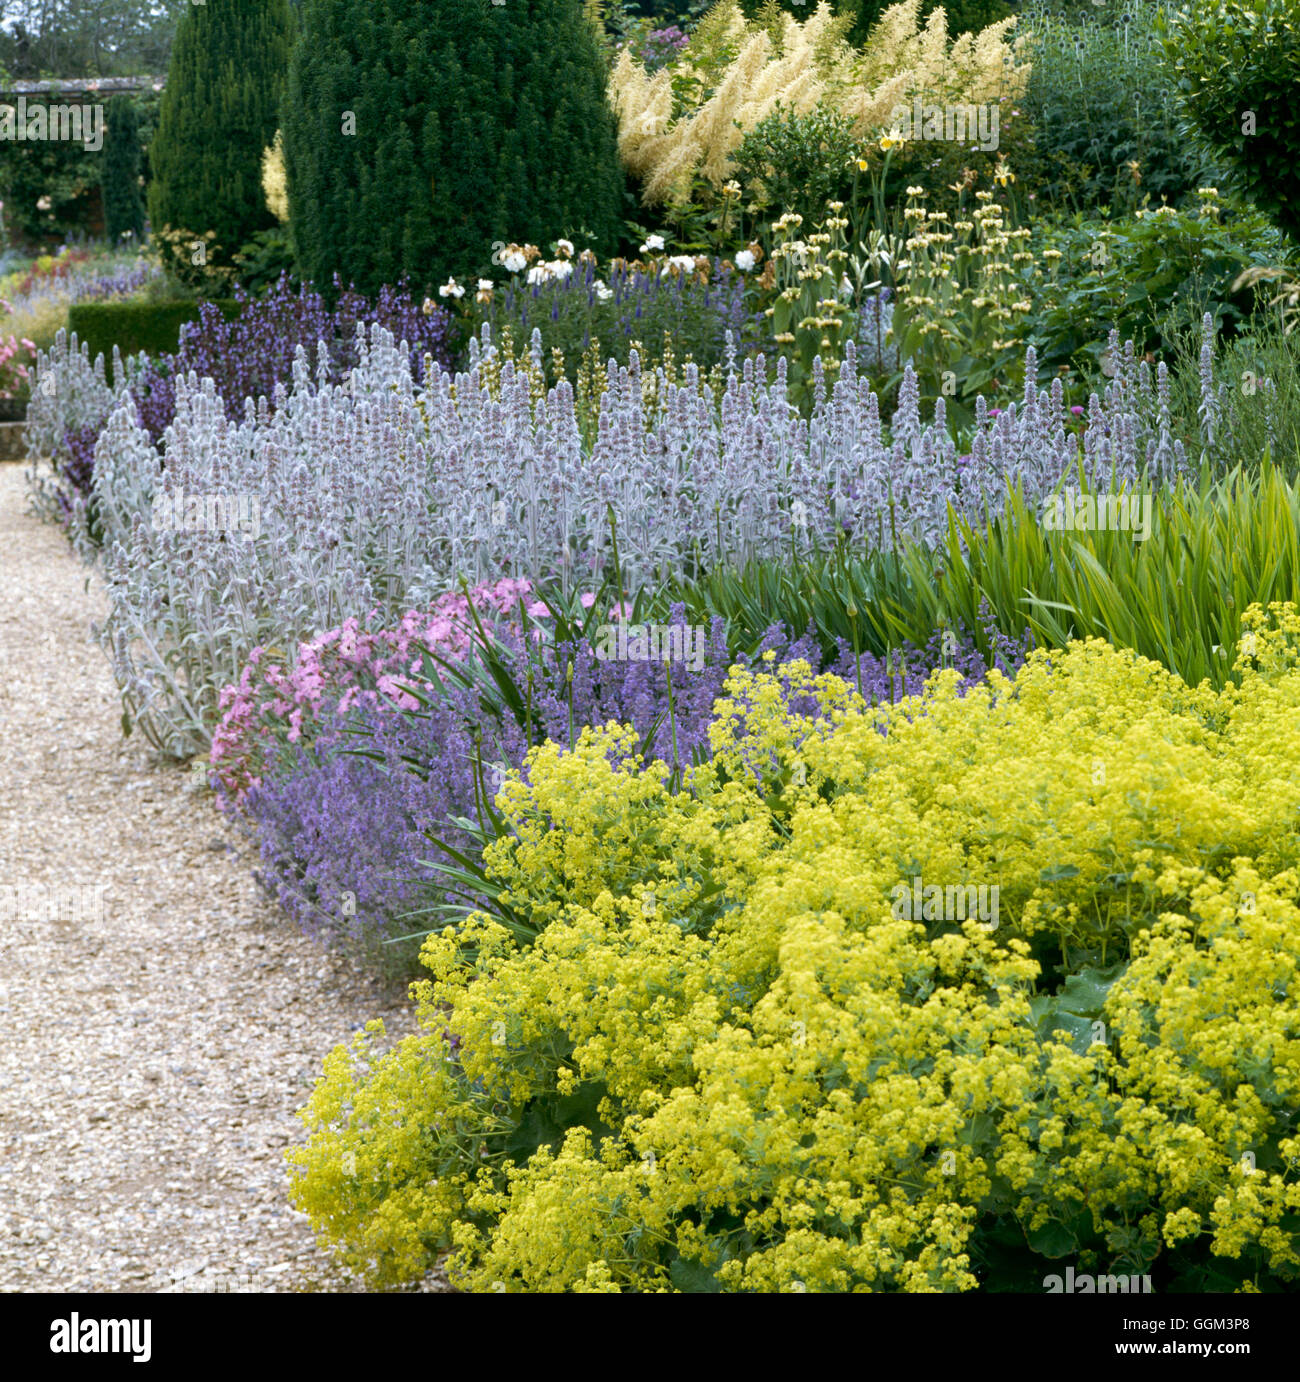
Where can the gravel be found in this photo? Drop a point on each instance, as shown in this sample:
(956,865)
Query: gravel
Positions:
(157,1047)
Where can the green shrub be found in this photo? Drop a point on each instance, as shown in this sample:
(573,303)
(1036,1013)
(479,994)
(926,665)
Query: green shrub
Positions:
(734,1057)
(1152,276)
(48,186)
(1238,68)
(135,327)
(792,162)
(265,259)
(417,134)
(218,115)
(120,180)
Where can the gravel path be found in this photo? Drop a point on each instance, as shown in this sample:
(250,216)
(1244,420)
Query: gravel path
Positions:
(154,1052)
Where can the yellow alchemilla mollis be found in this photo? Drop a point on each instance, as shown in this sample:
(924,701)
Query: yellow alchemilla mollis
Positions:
(730,1055)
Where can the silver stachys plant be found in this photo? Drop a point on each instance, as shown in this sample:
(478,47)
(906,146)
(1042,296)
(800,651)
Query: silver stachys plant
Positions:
(70,393)
(377,492)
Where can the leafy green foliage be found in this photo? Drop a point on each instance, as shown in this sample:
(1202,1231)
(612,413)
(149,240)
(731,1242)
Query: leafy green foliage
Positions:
(1176,597)
(416,135)
(49,186)
(1238,68)
(792,162)
(1151,275)
(1103,103)
(267,256)
(120,182)
(219,112)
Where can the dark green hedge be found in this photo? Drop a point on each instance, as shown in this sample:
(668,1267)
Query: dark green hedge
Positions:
(151,327)
(418,132)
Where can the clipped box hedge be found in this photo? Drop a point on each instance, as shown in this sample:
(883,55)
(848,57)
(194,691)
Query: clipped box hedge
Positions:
(153,328)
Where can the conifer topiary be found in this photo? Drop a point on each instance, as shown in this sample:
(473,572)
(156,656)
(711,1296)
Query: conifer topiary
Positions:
(120,176)
(418,132)
(219,112)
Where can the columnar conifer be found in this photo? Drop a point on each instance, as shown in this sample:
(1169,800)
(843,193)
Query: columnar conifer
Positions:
(218,113)
(417,132)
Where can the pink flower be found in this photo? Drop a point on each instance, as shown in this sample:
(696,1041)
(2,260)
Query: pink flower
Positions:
(587,599)
(337,668)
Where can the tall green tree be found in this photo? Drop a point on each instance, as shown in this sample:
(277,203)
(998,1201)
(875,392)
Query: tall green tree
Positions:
(87,38)
(218,114)
(120,175)
(418,132)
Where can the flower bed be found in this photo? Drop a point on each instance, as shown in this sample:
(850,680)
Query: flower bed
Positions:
(506,486)
(734,1057)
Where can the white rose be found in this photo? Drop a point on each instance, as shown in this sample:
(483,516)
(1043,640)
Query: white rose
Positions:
(745,261)
(652,242)
(679,261)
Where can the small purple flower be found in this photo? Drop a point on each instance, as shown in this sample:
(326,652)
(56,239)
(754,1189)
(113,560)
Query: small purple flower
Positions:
(249,356)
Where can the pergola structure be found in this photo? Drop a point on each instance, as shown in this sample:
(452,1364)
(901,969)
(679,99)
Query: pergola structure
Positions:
(83,89)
